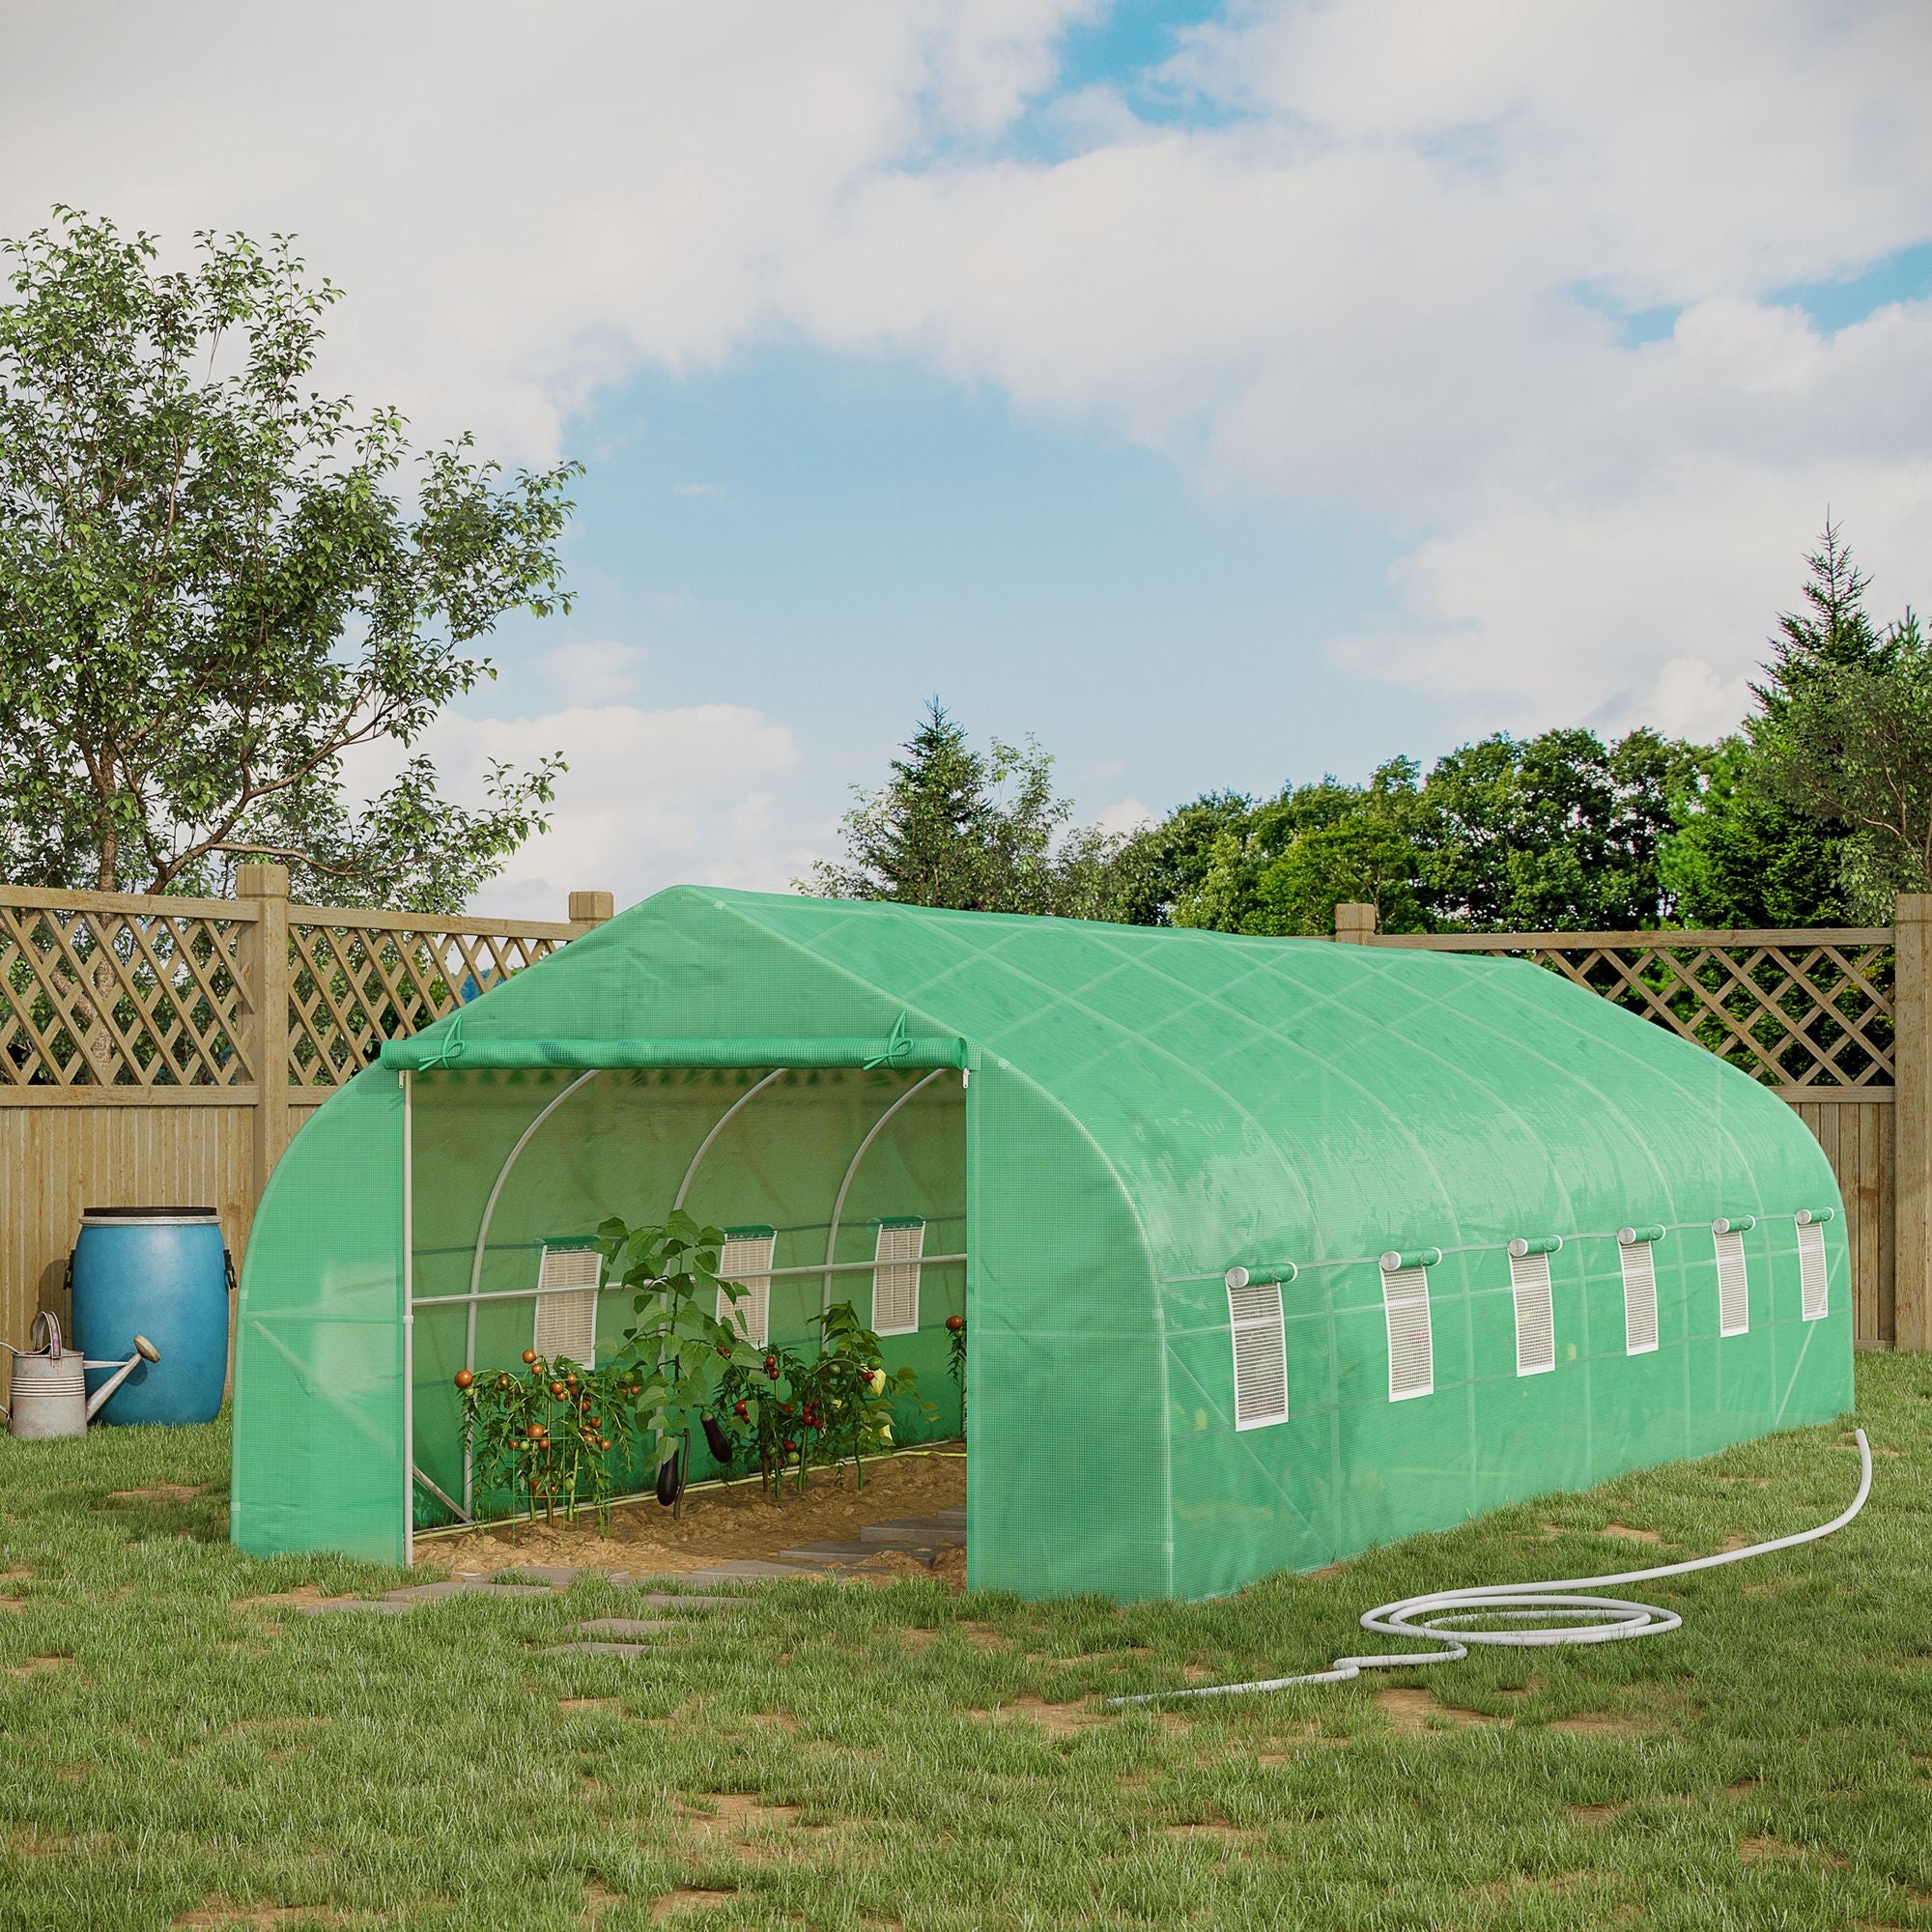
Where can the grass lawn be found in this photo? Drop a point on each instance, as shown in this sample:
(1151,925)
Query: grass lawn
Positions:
(846,1757)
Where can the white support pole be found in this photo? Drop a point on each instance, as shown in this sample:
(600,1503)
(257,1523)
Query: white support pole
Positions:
(409,1332)
(845,1185)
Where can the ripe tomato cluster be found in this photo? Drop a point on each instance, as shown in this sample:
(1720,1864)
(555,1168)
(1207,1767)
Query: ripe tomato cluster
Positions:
(547,1435)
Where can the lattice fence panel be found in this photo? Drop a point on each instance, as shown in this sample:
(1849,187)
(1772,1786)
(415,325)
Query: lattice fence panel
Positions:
(96,996)
(1789,1013)
(354,986)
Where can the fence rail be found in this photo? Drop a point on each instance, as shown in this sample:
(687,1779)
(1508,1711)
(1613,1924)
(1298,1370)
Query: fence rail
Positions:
(1837,1021)
(135,1035)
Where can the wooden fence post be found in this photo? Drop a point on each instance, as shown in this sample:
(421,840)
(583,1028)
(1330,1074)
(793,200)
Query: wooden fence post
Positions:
(1355,925)
(265,964)
(589,909)
(1912,1108)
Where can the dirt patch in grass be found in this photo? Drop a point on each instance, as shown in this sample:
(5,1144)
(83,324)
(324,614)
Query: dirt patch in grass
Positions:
(731,1524)
(1217,1830)
(598,1899)
(735,1812)
(34,1665)
(1604,1725)
(1057,1720)
(590,1704)
(1592,1814)
(1624,1533)
(216,1910)
(159,1492)
(287,1600)
(14,1605)
(687,1898)
(1419,1712)
(1756,1849)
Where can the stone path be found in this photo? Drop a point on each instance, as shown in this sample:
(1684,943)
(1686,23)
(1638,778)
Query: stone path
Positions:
(918,1537)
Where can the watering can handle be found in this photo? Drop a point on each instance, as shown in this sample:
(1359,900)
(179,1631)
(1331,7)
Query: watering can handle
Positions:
(49,1322)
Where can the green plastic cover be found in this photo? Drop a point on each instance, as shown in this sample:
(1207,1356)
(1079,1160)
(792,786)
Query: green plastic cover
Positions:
(1145,1110)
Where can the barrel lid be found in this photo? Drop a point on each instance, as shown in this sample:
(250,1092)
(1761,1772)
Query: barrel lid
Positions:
(148,1217)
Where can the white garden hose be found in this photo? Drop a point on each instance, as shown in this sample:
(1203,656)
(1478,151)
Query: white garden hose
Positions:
(1599,1619)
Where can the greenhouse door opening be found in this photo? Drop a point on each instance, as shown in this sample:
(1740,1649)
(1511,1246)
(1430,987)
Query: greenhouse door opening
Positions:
(830,1185)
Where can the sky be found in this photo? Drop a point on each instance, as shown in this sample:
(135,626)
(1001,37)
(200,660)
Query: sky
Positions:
(1224,394)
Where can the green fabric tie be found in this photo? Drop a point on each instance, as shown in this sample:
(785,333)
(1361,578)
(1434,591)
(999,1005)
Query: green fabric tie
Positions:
(898,1046)
(448,1049)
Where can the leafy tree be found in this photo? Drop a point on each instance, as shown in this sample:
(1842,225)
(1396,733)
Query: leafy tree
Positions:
(979,831)
(1751,852)
(1559,832)
(1852,747)
(210,590)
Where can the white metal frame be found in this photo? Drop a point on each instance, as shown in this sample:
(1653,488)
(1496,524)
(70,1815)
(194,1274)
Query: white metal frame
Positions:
(475,1296)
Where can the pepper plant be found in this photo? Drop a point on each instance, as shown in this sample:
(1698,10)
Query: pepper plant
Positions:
(793,1412)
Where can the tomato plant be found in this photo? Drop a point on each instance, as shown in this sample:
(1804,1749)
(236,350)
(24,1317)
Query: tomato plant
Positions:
(955,1361)
(546,1433)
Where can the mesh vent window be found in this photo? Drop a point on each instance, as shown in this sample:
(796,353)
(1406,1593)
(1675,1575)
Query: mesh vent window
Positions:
(1814,1290)
(1640,1298)
(746,1263)
(1411,1346)
(1260,1354)
(567,1304)
(895,1277)
(1733,1291)
(1535,1314)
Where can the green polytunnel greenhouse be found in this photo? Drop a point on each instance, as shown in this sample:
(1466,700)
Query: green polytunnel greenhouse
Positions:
(1270,1249)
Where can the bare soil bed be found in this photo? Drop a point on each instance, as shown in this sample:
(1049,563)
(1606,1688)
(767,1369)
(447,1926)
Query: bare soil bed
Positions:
(731,1523)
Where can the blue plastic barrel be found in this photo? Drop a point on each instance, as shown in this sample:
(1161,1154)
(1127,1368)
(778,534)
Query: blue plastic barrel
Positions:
(160,1272)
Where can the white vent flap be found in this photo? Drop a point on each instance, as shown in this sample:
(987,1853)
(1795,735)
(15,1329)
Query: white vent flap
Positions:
(746,1263)
(1411,1346)
(1639,1297)
(1733,1287)
(566,1317)
(1260,1354)
(1814,1280)
(895,1277)
(1535,1314)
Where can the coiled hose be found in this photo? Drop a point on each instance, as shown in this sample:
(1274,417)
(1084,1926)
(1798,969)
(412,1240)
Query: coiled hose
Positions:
(1598,1619)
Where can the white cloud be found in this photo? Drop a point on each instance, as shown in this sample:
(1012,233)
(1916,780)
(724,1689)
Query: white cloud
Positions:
(705,793)
(593,672)
(652,799)
(1380,271)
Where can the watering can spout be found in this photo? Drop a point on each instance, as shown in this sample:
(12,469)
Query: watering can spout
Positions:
(144,1351)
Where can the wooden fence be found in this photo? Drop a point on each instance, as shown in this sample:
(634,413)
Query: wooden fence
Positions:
(163,1050)
(1837,1021)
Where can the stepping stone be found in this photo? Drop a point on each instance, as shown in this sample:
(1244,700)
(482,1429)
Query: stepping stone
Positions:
(631,1625)
(384,1609)
(425,1593)
(551,1575)
(955,1516)
(831,1552)
(747,1572)
(598,1650)
(917,1529)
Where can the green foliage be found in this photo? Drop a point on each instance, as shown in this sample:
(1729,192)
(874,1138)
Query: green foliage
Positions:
(979,831)
(1853,747)
(1757,844)
(547,1434)
(793,1412)
(210,590)
(677,1340)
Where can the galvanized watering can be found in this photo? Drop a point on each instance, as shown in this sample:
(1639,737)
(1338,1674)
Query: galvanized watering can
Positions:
(50,1389)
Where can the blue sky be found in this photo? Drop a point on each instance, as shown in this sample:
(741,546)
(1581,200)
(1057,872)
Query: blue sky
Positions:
(1225,393)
